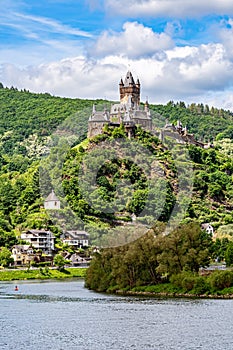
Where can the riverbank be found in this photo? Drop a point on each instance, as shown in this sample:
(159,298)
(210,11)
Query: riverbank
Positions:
(228,295)
(217,284)
(42,273)
(169,290)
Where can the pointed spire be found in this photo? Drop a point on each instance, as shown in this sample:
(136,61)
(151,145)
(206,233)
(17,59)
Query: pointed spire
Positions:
(146,108)
(129,80)
(93,109)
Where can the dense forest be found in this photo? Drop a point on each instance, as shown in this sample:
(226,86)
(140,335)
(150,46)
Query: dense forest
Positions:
(43,142)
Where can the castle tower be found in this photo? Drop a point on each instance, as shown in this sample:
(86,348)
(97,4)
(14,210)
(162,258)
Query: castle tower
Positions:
(128,89)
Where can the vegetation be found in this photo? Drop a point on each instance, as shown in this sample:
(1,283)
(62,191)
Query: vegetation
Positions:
(216,284)
(121,187)
(42,273)
(163,265)
(5,257)
(60,262)
(152,259)
(99,201)
(43,143)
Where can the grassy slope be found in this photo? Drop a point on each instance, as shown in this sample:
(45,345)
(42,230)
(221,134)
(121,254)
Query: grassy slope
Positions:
(14,275)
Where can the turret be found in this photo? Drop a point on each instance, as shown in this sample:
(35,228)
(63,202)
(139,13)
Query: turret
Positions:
(129,88)
(147,106)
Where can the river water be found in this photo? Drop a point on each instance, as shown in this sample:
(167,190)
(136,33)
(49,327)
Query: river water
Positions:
(44,315)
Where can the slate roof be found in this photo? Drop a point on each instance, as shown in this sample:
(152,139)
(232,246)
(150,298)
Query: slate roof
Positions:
(99,116)
(118,106)
(77,234)
(52,197)
(129,79)
(38,233)
(141,115)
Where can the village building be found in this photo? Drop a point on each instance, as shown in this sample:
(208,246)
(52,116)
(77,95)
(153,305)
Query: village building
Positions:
(76,239)
(23,254)
(208,228)
(128,112)
(52,202)
(40,239)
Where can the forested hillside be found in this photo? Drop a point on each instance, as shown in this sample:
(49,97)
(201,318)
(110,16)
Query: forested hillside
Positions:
(32,126)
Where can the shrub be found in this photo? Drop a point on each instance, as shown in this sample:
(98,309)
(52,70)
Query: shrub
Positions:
(221,279)
(189,282)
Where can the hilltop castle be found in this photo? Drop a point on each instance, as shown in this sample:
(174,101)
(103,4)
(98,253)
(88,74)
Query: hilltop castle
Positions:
(128,112)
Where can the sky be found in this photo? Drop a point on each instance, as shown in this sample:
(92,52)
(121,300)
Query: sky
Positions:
(181,50)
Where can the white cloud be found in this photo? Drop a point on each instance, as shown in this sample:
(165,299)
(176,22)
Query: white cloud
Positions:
(41,30)
(168,8)
(72,77)
(49,24)
(226,37)
(136,40)
(189,74)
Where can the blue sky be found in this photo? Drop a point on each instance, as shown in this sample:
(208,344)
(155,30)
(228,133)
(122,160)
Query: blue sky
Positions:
(180,49)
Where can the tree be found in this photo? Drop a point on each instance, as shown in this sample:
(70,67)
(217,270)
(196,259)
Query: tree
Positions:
(187,248)
(229,254)
(60,262)
(5,257)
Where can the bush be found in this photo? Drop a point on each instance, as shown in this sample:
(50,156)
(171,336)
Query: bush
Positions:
(189,282)
(201,286)
(41,264)
(221,279)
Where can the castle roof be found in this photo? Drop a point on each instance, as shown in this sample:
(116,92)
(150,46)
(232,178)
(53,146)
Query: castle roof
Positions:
(129,79)
(118,107)
(99,116)
(141,115)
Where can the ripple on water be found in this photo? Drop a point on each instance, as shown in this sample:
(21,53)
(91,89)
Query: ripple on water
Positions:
(64,315)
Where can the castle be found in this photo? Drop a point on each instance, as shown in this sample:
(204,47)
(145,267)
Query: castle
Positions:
(128,112)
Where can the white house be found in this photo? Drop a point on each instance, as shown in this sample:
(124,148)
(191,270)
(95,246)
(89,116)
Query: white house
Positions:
(76,238)
(40,239)
(52,202)
(208,228)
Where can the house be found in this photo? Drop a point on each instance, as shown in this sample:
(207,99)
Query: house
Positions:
(77,260)
(52,202)
(40,239)
(128,112)
(76,239)
(208,228)
(23,254)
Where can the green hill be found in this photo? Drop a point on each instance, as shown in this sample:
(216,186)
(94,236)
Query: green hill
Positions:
(40,133)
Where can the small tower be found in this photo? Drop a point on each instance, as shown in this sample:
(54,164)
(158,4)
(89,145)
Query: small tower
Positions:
(130,89)
(52,202)
(146,106)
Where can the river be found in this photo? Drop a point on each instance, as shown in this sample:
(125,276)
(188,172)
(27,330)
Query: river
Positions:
(45,315)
